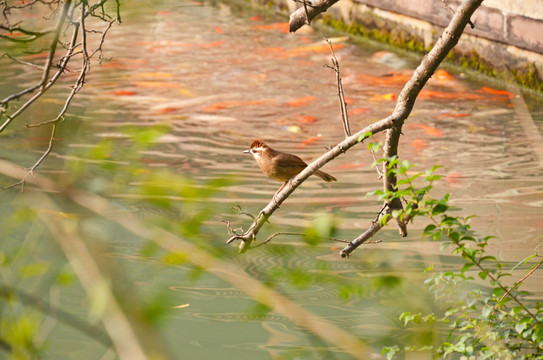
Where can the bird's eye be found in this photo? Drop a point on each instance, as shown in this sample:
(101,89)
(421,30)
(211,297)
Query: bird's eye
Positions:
(253,151)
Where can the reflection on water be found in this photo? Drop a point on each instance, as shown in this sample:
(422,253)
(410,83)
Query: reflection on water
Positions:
(218,79)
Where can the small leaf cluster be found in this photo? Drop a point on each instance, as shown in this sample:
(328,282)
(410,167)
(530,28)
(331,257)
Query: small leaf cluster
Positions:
(408,189)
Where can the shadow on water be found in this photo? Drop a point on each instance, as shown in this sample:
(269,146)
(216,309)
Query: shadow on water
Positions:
(201,82)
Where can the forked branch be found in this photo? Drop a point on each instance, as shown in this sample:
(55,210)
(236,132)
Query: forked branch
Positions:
(392,125)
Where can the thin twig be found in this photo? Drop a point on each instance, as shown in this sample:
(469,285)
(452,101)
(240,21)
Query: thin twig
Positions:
(22,63)
(241,212)
(447,6)
(62,67)
(296,234)
(231,231)
(379,172)
(380,212)
(33,35)
(37,163)
(342,103)
(363,238)
(44,87)
(516,285)
(54,43)
(306,12)
(277,234)
(308,3)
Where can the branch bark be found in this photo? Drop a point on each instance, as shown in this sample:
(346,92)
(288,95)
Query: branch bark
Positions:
(406,100)
(305,14)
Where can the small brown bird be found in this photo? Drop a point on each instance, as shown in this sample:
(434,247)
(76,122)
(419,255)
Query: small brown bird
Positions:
(280,166)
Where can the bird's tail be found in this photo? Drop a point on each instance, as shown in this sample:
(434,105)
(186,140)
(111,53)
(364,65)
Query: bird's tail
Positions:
(325,176)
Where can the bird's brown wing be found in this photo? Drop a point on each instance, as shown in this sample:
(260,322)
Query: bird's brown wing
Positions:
(292,164)
(285,166)
(285,160)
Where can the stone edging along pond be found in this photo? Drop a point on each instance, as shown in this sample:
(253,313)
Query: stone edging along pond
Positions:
(506,42)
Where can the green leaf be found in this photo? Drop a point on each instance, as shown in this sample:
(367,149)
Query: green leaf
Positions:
(403,182)
(520,327)
(406,317)
(384,219)
(429,229)
(322,227)
(439,209)
(466,267)
(469,254)
(397,213)
(484,258)
(375,148)
(487,311)
(372,193)
(390,351)
(429,268)
(175,258)
(497,291)
(66,277)
(432,178)
(524,261)
(364,136)
(412,178)
(454,236)
(34,269)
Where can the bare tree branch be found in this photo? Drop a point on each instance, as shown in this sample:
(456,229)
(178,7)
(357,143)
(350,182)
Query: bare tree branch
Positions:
(22,63)
(406,100)
(376,225)
(73,48)
(54,42)
(516,284)
(37,163)
(32,35)
(392,124)
(308,12)
(342,103)
(448,7)
(43,84)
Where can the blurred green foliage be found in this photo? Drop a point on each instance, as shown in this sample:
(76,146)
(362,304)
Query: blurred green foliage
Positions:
(32,263)
(322,228)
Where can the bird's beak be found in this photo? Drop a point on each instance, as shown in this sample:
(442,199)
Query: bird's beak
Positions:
(247,151)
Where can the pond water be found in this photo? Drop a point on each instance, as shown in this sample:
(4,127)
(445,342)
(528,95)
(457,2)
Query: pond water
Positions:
(213,78)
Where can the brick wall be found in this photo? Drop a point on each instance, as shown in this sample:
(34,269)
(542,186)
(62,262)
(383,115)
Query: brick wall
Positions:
(513,22)
(507,39)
